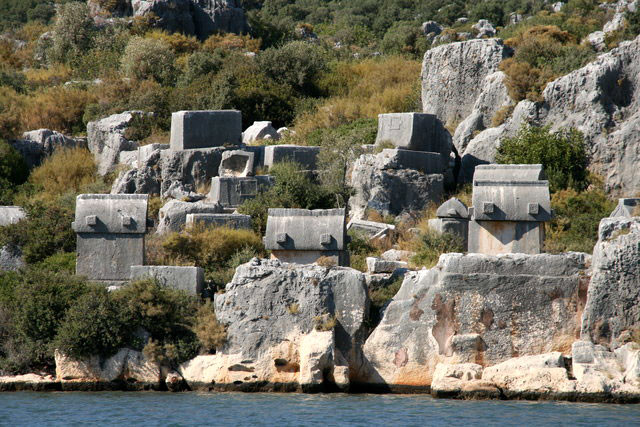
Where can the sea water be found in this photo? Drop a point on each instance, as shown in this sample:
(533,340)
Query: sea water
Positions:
(239,409)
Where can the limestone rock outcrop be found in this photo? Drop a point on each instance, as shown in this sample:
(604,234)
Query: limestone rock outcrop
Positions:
(477,309)
(199,18)
(453,76)
(383,184)
(612,313)
(106,139)
(127,366)
(289,327)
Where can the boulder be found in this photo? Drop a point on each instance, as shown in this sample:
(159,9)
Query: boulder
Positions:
(50,140)
(106,139)
(476,309)
(462,380)
(612,312)
(484,29)
(431,27)
(144,177)
(388,188)
(191,168)
(30,151)
(453,76)
(199,18)
(11,258)
(289,327)
(130,368)
(258,131)
(397,255)
(29,382)
(378,265)
(173,215)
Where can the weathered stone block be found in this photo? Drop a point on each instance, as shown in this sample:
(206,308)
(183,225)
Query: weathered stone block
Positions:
(377,265)
(173,215)
(417,160)
(236,163)
(258,131)
(305,156)
(371,229)
(111,213)
(501,237)
(188,279)
(231,192)
(193,168)
(11,214)
(627,208)
(203,129)
(235,221)
(108,257)
(414,131)
(456,226)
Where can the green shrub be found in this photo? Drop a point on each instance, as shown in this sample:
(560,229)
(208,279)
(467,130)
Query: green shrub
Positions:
(359,249)
(45,232)
(298,64)
(201,64)
(61,262)
(405,38)
(293,188)
(577,216)
(211,334)
(11,107)
(145,58)
(37,306)
(563,155)
(431,244)
(96,324)
(13,172)
(72,33)
(68,169)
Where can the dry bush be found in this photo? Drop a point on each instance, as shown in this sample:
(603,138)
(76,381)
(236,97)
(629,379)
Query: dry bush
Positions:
(11,109)
(211,333)
(523,80)
(502,115)
(179,43)
(52,76)
(231,42)
(58,108)
(326,261)
(68,169)
(364,90)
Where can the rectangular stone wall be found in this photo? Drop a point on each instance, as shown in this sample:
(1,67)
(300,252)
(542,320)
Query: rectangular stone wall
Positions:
(203,129)
(188,279)
(108,257)
(501,237)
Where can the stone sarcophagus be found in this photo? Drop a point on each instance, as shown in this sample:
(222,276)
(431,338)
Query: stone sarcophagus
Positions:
(303,236)
(231,192)
(511,203)
(414,131)
(453,218)
(204,129)
(110,230)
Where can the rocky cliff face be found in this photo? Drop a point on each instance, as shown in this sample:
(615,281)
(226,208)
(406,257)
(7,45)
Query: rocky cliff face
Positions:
(453,76)
(601,100)
(199,18)
(612,314)
(290,327)
(477,309)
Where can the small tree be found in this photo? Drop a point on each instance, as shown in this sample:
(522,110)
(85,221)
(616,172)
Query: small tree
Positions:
(149,58)
(72,33)
(562,154)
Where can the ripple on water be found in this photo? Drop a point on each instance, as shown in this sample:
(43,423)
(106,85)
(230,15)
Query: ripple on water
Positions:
(184,409)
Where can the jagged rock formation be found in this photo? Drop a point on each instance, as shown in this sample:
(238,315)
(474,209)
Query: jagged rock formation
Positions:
(106,139)
(35,145)
(388,185)
(477,309)
(612,313)
(600,100)
(453,76)
(289,327)
(199,18)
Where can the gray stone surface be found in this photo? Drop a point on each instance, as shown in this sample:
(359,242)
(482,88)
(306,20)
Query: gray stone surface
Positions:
(199,18)
(477,309)
(143,178)
(235,221)
(51,140)
(30,151)
(453,76)
(257,309)
(612,312)
(303,229)
(182,192)
(105,139)
(371,229)
(231,192)
(11,215)
(258,131)
(484,28)
(173,215)
(205,129)
(378,265)
(422,161)
(237,163)
(429,27)
(511,193)
(305,156)
(452,208)
(188,279)
(414,131)
(11,258)
(110,231)
(391,191)
(627,208)
(481,150)
(193,168)
(455,226)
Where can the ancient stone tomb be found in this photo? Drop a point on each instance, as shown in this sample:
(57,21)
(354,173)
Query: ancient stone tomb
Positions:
(303,236)
(510,205)
(110,230)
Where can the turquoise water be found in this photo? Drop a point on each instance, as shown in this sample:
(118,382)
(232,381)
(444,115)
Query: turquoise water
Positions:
(184,409)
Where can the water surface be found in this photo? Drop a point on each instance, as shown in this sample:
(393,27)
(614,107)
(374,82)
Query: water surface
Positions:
(186,409)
